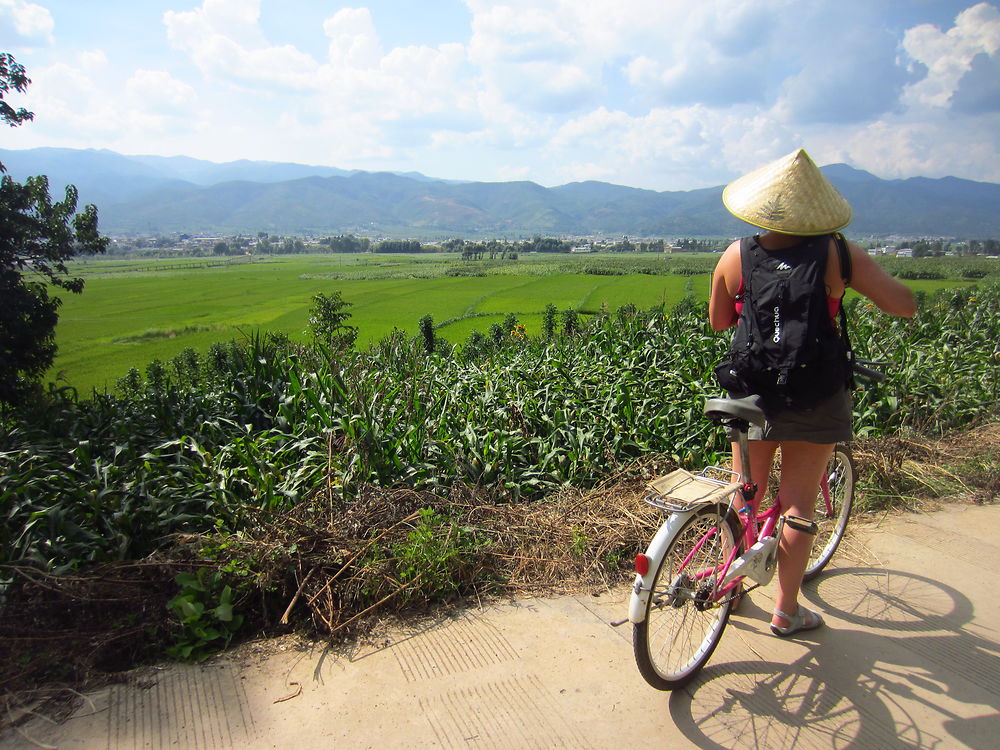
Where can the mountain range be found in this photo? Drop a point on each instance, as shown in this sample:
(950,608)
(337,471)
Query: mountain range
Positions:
(163,195)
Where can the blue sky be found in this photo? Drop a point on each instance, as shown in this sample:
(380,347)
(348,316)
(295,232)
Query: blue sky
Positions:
(661,94)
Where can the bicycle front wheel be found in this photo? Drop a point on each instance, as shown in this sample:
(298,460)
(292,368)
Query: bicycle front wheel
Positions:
(833,508)
(684,617)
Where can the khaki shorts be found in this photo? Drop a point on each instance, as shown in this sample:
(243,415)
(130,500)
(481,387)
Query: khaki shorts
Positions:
(828,422)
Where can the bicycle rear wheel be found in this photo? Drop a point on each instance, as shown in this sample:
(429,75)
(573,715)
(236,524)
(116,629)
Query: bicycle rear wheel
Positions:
(684,622)
(832,518)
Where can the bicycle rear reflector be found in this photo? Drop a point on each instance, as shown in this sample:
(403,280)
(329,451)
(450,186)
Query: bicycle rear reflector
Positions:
(641,564)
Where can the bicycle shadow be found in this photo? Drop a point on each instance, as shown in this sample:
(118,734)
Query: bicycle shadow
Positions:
(923,673)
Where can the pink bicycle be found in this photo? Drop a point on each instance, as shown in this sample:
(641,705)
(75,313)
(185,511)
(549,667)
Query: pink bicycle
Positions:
(711,549)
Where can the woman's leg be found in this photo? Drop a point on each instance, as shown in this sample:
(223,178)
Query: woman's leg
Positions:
(761,458)
(802,466)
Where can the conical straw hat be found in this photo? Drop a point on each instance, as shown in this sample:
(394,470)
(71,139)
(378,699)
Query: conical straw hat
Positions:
(790,196)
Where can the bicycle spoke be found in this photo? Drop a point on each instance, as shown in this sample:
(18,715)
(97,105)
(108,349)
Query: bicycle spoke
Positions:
(833,508)
(685,617)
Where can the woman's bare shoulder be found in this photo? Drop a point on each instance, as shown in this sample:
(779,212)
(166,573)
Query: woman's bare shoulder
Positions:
(730,258)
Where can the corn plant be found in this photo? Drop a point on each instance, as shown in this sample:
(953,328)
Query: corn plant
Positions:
(201,443)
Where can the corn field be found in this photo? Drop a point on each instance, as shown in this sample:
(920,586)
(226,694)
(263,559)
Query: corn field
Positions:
(206,442)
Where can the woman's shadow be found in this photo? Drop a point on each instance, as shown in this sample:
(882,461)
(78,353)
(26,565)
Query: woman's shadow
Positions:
(922,674)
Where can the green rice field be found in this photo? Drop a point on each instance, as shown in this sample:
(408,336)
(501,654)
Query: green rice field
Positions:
(134,311)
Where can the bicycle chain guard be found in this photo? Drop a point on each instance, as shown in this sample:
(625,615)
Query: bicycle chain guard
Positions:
(758,563)
(761,560)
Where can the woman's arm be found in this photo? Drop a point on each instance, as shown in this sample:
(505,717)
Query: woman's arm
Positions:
(725,284)
(871,280)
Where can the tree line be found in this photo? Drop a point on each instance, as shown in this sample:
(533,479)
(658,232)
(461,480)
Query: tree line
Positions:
(37,237)
(927,248)
(268,244)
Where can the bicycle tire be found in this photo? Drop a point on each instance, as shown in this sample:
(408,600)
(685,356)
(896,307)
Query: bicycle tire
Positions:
(832,523)
(678,633)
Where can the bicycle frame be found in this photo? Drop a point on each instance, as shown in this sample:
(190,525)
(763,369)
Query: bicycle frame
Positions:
(754,526)
(824,486)
(760,525)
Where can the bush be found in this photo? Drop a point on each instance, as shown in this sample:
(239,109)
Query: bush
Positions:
(264,424)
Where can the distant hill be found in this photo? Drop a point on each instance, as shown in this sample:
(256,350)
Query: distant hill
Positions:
(108,177)
(153,194)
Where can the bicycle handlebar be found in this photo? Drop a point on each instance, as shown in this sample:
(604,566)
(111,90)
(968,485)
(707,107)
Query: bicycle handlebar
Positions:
(863,369)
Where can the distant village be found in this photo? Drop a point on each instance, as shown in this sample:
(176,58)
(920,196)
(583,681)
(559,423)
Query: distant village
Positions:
(263,243)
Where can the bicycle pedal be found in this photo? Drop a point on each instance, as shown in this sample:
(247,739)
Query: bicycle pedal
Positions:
(802,524)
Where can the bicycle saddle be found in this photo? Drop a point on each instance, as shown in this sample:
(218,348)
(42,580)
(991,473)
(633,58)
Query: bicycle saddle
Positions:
(748,409)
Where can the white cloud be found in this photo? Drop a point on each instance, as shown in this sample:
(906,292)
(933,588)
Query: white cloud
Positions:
(345,141)
(26,22)
(710,53)
(357,77)
(511,173)
(948,55)
(711,89)
(92,60)
(426,80)
(506,34)
(157,90)
(668,148)
(812,62)
(65,95)
(360,106)
(665,94)
(353,40)
(84,102)
(535,56)
(930,148)
(224,40)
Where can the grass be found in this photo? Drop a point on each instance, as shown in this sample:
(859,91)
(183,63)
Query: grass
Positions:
(911,471)
(135,311)
(132,313)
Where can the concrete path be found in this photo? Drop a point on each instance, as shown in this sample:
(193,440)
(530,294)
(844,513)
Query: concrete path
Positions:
(910,659)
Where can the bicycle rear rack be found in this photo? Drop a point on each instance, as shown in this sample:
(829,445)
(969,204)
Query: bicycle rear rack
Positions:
(681,491)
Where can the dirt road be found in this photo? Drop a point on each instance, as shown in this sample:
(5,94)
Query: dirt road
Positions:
(910,659)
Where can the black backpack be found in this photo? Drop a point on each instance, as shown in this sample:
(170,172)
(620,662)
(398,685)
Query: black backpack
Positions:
(786,347)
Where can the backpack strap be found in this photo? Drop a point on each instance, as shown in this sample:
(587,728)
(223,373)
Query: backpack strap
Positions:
(845,258)
(747,261)
(845,274)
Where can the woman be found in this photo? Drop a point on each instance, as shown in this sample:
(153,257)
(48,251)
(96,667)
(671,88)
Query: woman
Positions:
(794,203)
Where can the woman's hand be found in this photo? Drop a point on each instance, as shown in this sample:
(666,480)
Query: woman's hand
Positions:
(889,294)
